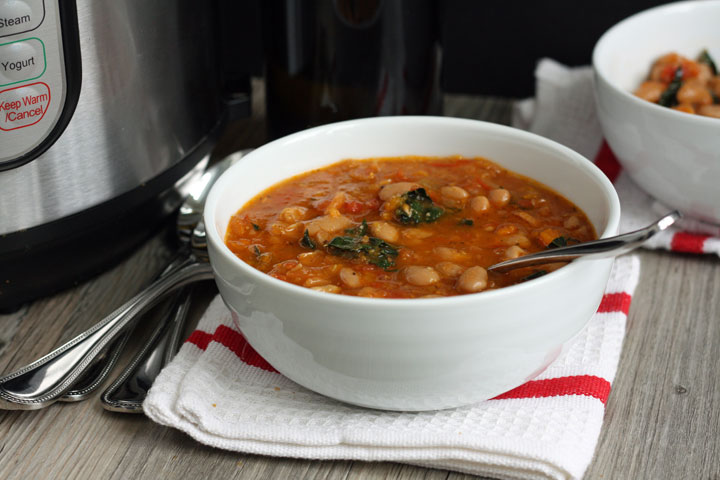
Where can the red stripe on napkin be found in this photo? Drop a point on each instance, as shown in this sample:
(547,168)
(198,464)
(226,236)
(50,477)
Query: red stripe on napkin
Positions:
(606,161)
(688,242)
(235,342)
(615,302)
(588,385)
(200,339)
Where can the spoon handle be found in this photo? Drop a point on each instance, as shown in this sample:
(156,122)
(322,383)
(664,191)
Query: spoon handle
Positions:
(47,379)
(127,393)
(602,248)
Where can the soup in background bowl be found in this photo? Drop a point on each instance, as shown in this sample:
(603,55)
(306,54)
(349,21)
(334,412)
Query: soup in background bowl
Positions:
(673,156)
(418,353)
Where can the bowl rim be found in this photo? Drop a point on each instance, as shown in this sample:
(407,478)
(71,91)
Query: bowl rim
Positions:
(605,38)
(256,276)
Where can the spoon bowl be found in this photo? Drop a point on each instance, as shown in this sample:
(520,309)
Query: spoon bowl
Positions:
(602,248)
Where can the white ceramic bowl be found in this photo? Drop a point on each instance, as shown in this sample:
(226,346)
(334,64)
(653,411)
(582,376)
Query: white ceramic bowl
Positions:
(673,156)
(411,354)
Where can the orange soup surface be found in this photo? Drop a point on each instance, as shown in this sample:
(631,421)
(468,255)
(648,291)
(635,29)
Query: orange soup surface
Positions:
(403,227)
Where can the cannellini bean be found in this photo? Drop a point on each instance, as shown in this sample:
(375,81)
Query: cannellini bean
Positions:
(499,197)
(704,73)
(384,231)
(327,289)
(514,252)
(416,233)
(293,231)
(474,279)
(506,229)
(454,193)
(449,269)
(333,208)
(311,258)
(684,107)
(328,224)
(710,111)
(480,204)
(293,214)
(693,91)
(527,217)
(350,277)
(369,292)
(548,235)
(392,189)
(572,222)
(650,90)
(518,239)
(421,276)
(452,254)
(316,282)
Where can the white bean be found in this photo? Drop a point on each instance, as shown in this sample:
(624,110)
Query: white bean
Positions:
(499,197)
(474,279)
(421,276)
(514,252)
(449,269)
(392,189)
(328,224)
(480,204)
(384,231)
(517,239)
(293,214)
(454,193)
(447,253)
(350,277)
(327,289)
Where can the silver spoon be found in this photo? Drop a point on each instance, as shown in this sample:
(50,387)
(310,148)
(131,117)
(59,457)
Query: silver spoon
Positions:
(104,363)
(127,393)
(602,248)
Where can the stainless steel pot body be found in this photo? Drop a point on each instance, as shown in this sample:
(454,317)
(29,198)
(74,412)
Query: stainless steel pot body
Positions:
(149,99)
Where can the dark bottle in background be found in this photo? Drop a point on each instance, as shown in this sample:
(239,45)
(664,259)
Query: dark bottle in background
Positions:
(333,60)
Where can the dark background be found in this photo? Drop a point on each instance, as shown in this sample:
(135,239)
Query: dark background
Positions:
(489,47)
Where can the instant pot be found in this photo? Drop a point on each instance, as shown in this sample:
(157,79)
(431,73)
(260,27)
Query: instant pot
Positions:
(105,106)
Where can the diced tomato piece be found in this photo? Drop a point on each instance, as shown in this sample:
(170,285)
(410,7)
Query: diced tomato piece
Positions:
(353,207)
(668,73)
(454,163)
(399,176)
(690,69)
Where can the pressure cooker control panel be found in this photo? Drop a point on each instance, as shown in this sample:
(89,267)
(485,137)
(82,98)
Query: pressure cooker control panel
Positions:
(32,75)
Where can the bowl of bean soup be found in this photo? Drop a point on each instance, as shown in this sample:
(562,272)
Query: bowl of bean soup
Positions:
(353,257)
(657,91)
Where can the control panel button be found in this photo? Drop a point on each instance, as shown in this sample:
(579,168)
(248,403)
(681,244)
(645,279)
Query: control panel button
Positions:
(23,106)
(20,16)
(21,61)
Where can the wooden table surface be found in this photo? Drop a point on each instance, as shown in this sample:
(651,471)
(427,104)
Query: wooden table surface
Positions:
(662,418)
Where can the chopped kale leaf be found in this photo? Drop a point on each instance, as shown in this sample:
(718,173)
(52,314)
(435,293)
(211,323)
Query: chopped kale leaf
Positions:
(668,98)
(535,274)
(562,242)
(358,231)
(466,221)
(372,250)
(255,226)
(417,207)
(708,60)
(307,242)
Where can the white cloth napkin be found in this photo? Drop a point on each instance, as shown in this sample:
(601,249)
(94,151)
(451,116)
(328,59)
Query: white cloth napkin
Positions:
(564,110)
(219,391)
